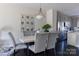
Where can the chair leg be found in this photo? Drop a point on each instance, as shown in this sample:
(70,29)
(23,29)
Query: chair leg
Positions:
(28,49)
(45,53)
(55,51)
(14,53)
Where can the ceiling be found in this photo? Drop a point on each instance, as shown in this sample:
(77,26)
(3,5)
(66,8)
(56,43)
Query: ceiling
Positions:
(71,9)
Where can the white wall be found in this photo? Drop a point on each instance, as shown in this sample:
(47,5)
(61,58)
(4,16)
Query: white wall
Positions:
(52,18)
(39,23)
(10,15)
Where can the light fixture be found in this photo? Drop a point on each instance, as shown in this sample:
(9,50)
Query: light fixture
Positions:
(40,15)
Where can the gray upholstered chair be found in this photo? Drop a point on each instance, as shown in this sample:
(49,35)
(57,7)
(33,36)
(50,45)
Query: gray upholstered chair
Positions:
(40,43)
(6,46)
(52,41)
(8,43)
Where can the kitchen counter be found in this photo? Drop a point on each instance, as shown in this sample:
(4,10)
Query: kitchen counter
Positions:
(73,38)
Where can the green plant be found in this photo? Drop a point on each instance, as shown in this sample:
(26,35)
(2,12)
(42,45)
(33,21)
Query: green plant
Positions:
(46,27)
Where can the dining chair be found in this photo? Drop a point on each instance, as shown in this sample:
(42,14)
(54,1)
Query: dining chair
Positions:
(40,42)
(52,41)
(8,45)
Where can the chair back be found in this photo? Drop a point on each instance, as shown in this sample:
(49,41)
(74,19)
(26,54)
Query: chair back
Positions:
(40,42)
(51,40)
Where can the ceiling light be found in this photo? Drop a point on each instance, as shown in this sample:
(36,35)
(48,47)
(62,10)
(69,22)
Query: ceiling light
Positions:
(40,15)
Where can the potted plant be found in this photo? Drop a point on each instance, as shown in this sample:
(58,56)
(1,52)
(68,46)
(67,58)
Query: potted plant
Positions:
(46,27)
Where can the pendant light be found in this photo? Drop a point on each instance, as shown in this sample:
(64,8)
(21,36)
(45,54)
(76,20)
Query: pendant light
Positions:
(40,15)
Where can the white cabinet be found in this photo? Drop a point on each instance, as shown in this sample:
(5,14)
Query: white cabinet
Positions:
(73,39)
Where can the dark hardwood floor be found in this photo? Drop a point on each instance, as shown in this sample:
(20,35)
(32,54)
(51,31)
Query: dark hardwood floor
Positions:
(62,49)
